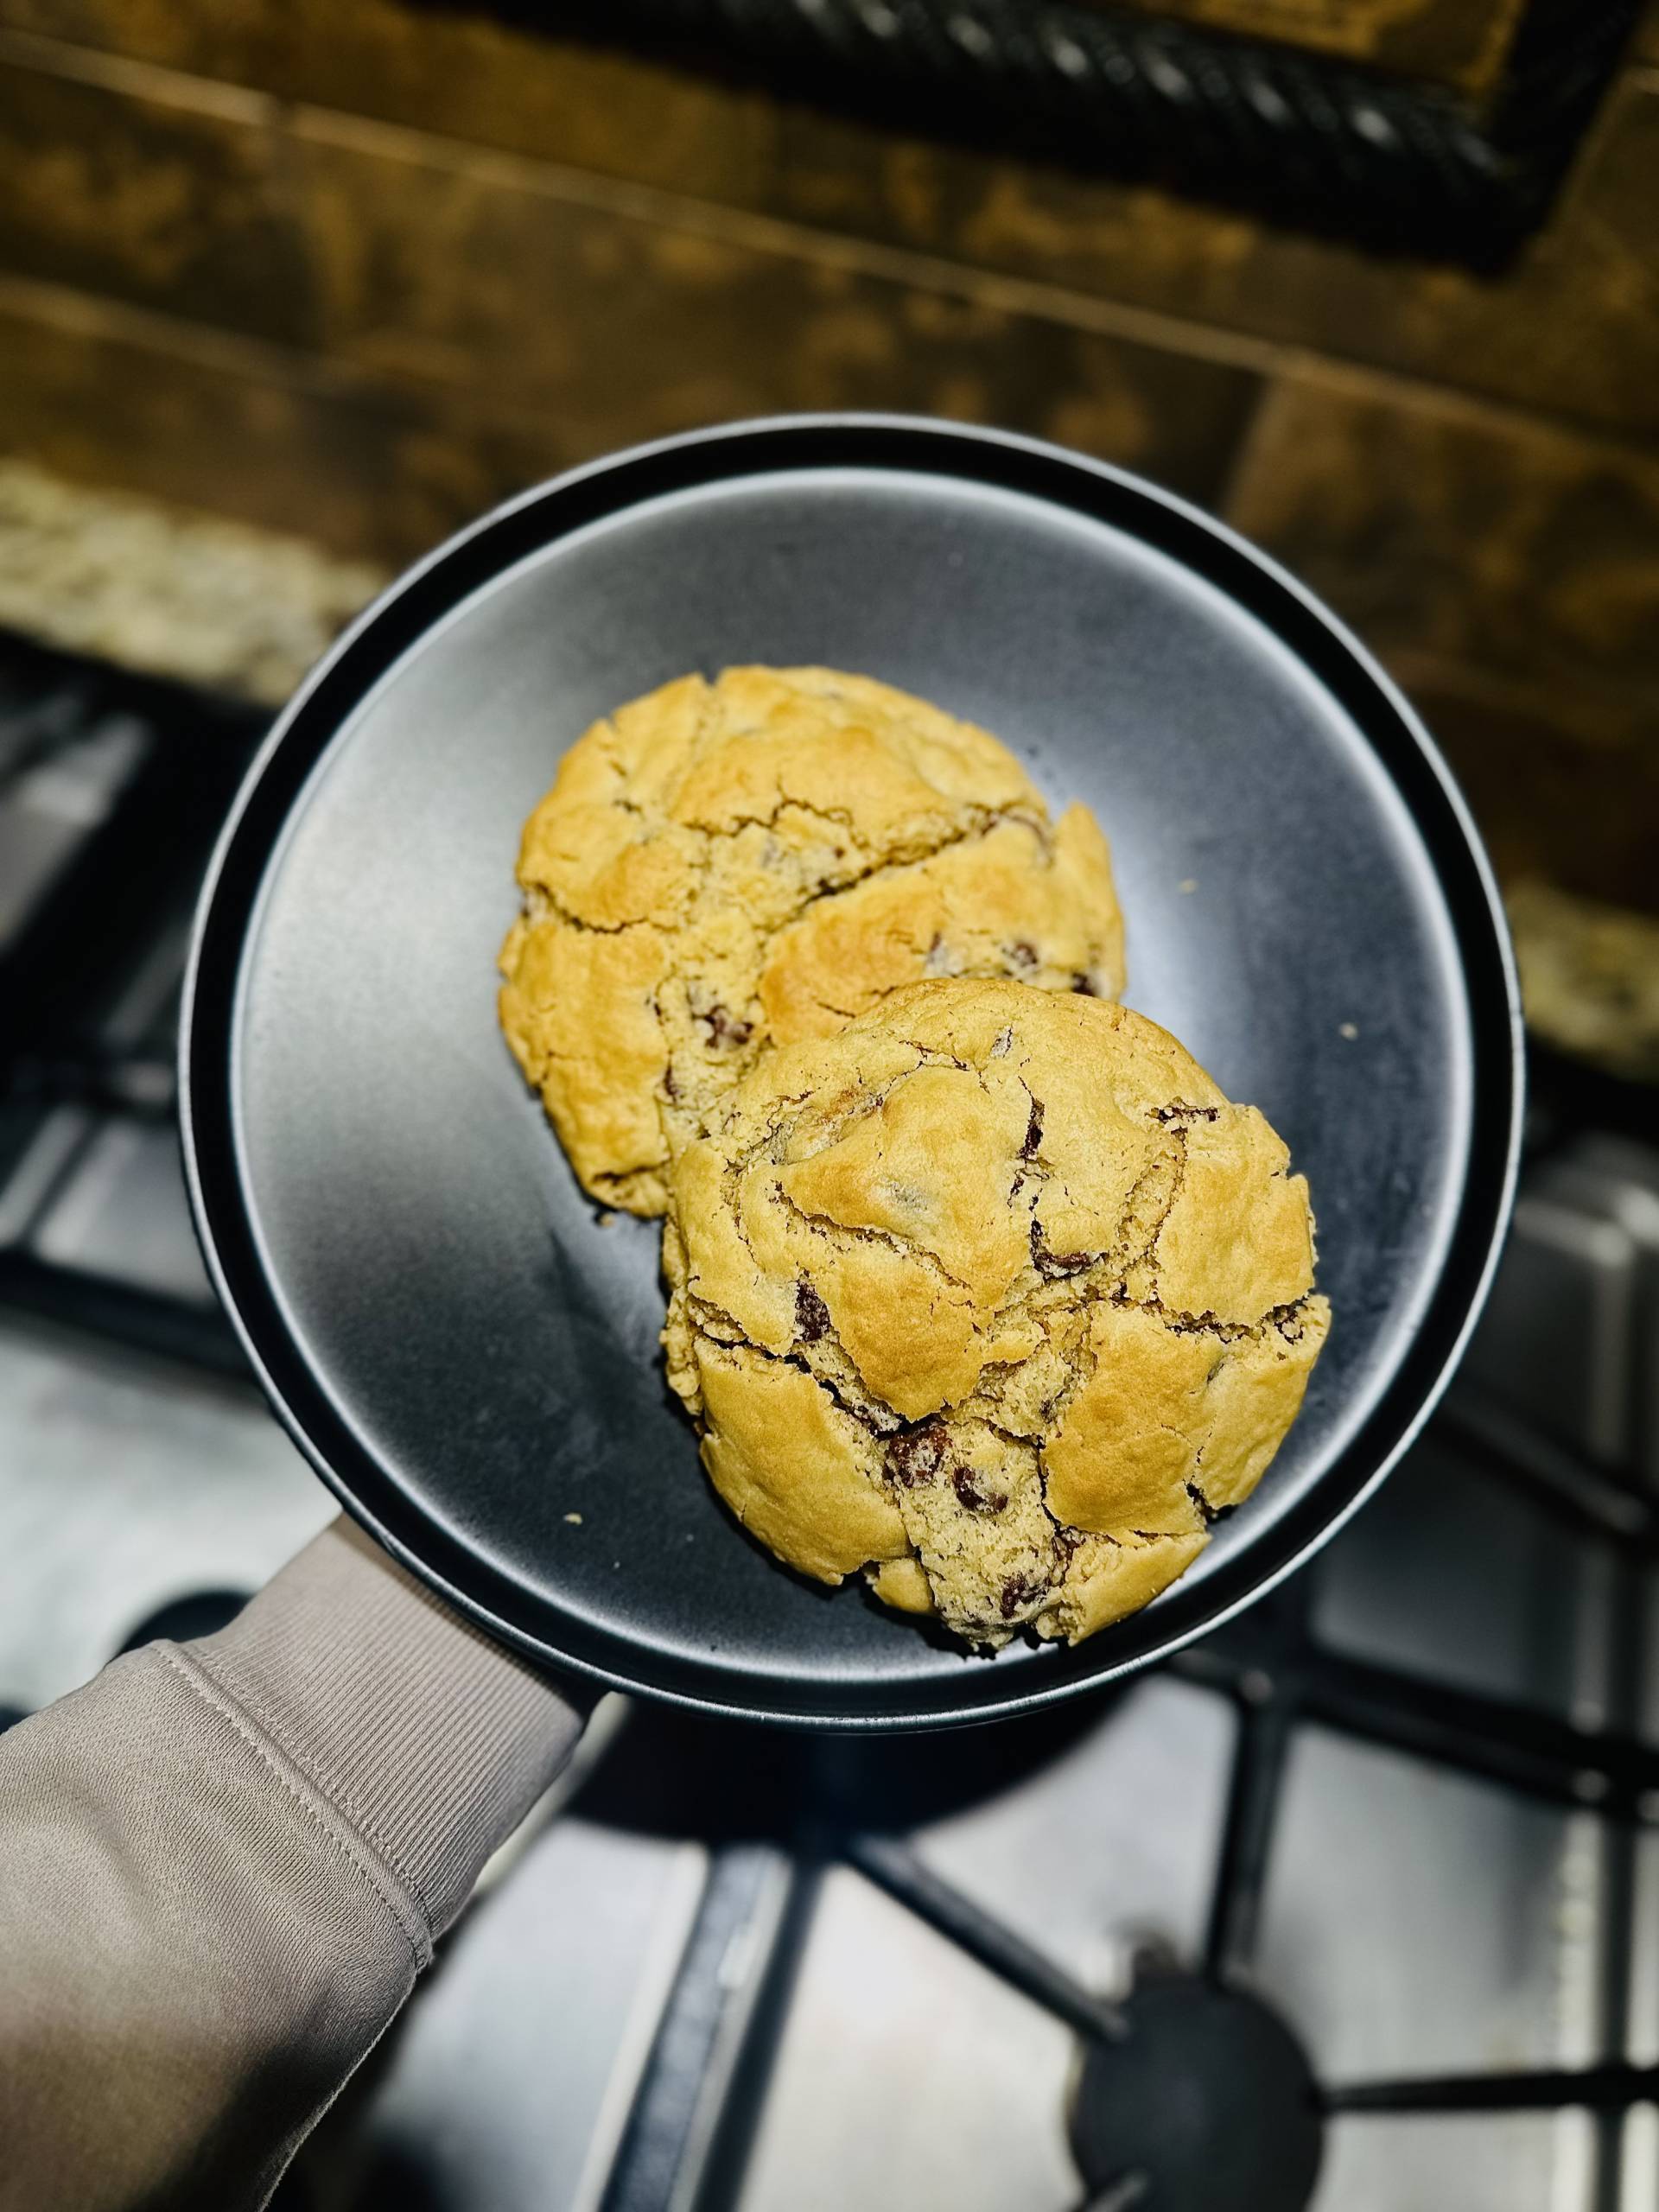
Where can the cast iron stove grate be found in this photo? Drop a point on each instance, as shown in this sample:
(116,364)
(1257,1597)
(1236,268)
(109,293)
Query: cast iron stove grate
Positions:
(1190,2092)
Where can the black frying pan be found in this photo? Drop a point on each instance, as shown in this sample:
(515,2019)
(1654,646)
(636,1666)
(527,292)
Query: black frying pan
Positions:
(468,1357)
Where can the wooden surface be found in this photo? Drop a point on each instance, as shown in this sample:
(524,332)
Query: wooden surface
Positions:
(1531,337)
(356,272)
(1454,531)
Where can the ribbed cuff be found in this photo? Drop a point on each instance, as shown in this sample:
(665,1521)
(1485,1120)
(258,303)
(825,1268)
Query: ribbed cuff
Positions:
(429,1739)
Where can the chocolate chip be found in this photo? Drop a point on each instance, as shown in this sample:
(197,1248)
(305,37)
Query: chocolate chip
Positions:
(1082,985)
(976,1500)
(1015,1591)
(724,1028)
(1023,953)
(811,1314)
(1034,1131)
(1052,1265)
(917,1454)
(670,1088)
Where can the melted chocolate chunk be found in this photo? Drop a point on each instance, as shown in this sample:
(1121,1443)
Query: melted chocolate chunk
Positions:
(1022,953)
(724,1027)
(1084,987)
(811,1314)
(1052,1265)
(1034,1131)
(670,1088)
(1015,1592)
(917,1454)
(967,1488)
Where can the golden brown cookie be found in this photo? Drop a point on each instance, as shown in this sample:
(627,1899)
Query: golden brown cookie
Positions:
(722,866)
(992,1295)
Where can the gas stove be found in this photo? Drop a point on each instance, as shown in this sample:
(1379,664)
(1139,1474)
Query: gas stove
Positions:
(1354,1904)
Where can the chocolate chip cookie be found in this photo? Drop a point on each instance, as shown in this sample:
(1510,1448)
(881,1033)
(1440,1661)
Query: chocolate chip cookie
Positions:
(992,1297)
(723,866)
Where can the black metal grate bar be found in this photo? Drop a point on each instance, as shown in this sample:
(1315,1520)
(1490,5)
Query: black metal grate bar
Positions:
(670,2102)
(1253,1797)
(1596,1498)
(1596,2088)
(63,971)
(896,1869)
(719,2187)
(1519,1745)
(145,1320)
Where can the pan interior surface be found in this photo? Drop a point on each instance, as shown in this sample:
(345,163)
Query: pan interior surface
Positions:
(470,1353)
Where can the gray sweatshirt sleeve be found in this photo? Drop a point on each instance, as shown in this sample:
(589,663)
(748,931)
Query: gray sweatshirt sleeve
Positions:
(223,1864)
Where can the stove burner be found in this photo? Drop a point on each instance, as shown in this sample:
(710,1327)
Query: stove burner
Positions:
(1208,2106)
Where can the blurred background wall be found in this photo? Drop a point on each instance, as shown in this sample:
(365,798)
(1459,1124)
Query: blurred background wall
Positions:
(347,272)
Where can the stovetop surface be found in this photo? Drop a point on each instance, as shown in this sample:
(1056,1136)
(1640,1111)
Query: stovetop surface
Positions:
(1410,1805)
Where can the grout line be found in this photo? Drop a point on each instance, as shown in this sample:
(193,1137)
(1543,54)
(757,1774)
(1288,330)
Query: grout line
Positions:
(145,81)
(261,361)
(235,352)
(780,239)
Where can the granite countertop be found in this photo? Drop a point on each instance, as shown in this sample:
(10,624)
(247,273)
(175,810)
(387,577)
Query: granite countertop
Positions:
(1589,977)
(165,589)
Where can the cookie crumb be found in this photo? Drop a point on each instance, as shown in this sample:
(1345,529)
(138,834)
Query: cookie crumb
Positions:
(1348,1029)
(574,1519)
(1187,885)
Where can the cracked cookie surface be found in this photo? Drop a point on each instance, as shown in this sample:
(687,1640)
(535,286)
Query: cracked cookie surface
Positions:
(722,867)
(994,1297)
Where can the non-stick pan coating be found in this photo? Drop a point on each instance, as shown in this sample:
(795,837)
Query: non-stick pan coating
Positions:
(468,1355)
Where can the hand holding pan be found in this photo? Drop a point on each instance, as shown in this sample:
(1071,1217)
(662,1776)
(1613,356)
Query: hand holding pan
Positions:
(469,1356)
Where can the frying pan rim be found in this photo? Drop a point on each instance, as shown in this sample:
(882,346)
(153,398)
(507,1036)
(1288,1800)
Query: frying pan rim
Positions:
(230,897)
